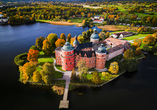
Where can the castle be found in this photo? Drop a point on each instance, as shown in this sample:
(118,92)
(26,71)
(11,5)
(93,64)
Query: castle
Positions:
(94,53)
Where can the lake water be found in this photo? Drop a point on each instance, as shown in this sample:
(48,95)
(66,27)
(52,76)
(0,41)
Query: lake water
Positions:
(131,91)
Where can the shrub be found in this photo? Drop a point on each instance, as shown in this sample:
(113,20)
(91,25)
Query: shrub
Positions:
(69,21)
(21,62)
(20,57)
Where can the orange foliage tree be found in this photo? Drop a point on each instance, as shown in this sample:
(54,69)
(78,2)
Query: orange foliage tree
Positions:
(62,36)
(140,29)
(32,55)
(149,40)
(137,42)
(60,42)
(138,51)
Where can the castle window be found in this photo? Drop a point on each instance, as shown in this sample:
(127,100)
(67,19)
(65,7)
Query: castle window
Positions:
(66,66)
(57,58)
(99,65)
(89,61)
(66,63)
(70,63)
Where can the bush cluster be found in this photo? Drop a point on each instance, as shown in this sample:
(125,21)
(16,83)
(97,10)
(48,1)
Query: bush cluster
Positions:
(19,59)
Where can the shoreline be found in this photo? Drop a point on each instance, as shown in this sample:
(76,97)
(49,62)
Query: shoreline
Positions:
(61,23)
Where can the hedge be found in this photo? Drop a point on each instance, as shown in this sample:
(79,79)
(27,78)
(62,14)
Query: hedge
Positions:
(20,59)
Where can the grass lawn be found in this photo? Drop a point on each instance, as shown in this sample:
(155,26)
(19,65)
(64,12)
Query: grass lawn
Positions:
(41,61)
(43,20)
(77,20)
(58,74)
(59,67)
(136,36)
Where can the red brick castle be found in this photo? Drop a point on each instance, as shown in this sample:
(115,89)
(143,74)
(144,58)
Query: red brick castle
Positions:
(94,53)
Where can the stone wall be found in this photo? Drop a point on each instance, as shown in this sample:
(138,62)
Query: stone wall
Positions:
(115,53)
(90,61)
(58,58)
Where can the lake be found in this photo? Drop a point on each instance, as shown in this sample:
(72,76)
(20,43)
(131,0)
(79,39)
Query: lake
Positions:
(131,91)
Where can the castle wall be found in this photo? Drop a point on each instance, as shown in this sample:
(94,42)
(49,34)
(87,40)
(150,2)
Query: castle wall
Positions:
(100,60)
(67,60)
(115,53)
(90,61)
(58,58)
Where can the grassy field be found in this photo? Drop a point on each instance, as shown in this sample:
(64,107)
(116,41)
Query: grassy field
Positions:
(77,20)
(140,36)
(58,74)
(59,67)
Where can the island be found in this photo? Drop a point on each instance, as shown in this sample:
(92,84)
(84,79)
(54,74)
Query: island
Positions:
(90,59)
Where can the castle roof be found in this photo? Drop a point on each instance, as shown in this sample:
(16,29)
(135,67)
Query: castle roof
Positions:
(101,49)
(76,42)
(78,49)
(58,48)
(67,47)
(95,35)
(86,45)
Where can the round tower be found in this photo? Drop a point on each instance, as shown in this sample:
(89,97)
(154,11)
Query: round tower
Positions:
(76,42)
(94,37)
(101,57)
(67,56)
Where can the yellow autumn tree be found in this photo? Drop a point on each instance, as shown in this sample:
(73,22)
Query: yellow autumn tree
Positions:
(114,68)
(137,42)
(128,54)
(47,47)
(149,40)
(36,76)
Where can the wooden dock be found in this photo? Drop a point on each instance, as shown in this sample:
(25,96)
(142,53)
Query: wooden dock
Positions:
(65,103)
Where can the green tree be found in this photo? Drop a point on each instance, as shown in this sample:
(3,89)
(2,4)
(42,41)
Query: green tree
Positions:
(96,79)
(47,73)
(52,38)
(82,69)
(73,75)
(36,76)
(39,42)
(33,47)
(62,36)
(131,65)
(47,47)
(88,34)
(84,34)
(69,37)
